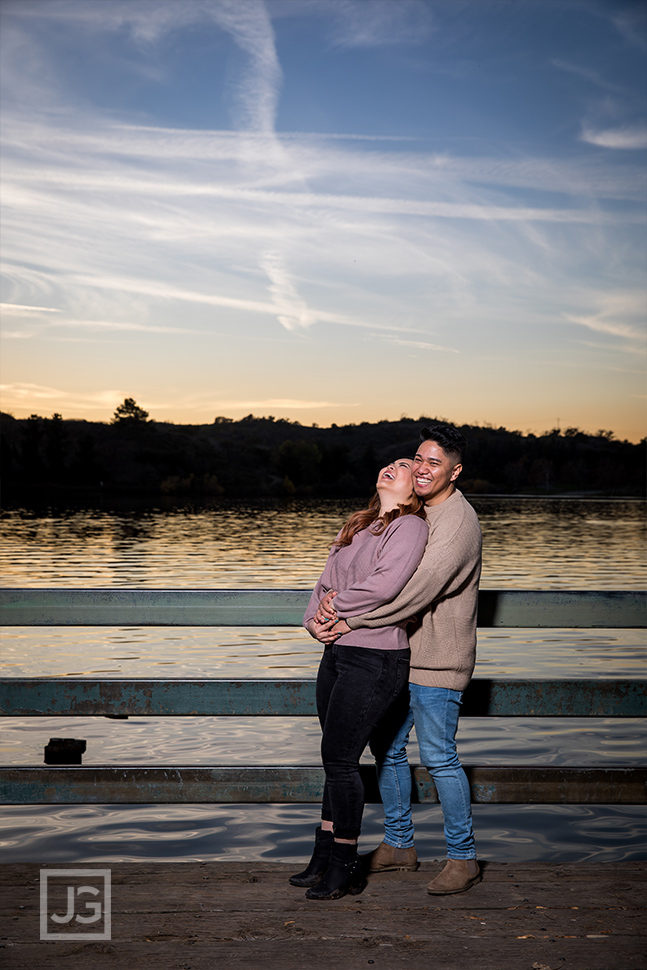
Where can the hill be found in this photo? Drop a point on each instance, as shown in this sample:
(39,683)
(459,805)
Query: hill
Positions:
(264,456)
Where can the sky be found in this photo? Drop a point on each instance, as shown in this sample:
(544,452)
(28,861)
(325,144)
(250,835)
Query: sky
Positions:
(330,211)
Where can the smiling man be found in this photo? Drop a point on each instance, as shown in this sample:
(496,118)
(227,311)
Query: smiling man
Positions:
(443,596)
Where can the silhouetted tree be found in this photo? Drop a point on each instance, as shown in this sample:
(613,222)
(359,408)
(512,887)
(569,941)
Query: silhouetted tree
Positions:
(129,411)
(55,442)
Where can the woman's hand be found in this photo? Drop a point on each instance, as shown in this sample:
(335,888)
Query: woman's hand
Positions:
(326,611)
(326,632)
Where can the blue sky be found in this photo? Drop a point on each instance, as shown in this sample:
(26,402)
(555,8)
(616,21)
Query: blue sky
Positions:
(326,210)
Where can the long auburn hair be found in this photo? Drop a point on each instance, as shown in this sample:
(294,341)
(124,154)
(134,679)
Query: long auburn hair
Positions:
(378,523)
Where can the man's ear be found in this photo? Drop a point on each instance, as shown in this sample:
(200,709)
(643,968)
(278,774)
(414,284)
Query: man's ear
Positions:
(456,472)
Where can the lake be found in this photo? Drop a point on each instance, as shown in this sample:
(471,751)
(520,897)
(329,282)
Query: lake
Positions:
(529,543)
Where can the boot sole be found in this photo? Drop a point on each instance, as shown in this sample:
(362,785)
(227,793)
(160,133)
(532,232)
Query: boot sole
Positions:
(396,869)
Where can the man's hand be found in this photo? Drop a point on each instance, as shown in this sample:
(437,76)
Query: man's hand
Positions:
(341,627)
(326,611)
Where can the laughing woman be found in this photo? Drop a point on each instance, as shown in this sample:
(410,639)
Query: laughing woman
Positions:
(363,676)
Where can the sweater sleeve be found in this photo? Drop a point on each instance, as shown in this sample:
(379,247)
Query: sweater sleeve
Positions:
(423,588)
(320,590)
(442,569)
(401,549)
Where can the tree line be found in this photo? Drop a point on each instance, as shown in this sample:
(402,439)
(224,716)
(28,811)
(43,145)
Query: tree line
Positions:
(257,456)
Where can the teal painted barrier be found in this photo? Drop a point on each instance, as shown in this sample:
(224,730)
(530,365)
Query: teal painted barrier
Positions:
(285,607)
(61,696)
(98,785)
(215,697)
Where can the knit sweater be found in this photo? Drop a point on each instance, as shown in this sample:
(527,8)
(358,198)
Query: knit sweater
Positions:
(443,594)
(370,572)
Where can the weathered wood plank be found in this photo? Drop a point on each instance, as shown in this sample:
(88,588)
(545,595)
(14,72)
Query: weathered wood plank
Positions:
(296,954)
(626,874)
(285,607)
(203,893)
(61,696)
(239,914)
(215,925)
(88,784)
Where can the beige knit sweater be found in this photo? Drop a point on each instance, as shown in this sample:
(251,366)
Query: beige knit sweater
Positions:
(443,594)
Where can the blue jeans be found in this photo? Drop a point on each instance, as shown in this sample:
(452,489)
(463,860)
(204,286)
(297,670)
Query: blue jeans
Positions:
(356,688)
(435,712)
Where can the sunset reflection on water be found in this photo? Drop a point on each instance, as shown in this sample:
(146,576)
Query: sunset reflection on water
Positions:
(528,543)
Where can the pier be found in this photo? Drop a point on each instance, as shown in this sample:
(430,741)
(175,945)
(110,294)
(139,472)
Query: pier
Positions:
(201,916)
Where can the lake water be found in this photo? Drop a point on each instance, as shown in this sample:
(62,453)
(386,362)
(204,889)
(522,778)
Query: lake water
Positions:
(528,543)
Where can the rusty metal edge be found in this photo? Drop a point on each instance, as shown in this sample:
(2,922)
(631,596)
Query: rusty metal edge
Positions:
(171,784)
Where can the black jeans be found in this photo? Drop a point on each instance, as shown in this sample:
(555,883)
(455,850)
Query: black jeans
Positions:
(358,689)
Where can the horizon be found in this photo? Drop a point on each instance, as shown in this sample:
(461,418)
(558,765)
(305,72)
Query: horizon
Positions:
(222,419)
(328,212)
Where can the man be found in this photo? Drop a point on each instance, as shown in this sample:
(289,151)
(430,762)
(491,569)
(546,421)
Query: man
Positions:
(443,596)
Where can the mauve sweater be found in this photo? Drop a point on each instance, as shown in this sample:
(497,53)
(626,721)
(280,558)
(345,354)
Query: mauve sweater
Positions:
(443,593)
(369,572)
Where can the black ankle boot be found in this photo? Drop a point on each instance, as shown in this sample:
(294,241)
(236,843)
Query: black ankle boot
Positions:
(318,863)
(345,874)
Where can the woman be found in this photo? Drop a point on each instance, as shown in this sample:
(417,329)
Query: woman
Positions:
(363,675)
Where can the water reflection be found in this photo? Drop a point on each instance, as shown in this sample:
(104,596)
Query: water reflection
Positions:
(289,652)
(296,741)
(528,543)
(283,833)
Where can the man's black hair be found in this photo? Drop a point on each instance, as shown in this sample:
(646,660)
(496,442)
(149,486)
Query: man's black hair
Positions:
(449,439)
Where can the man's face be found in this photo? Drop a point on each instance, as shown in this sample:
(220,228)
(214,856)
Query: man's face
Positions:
(434,472)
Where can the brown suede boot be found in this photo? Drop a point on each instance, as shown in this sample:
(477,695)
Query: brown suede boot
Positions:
(386,858)
(457,876)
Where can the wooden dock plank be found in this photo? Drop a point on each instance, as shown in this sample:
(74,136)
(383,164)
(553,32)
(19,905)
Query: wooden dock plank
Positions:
(234,915)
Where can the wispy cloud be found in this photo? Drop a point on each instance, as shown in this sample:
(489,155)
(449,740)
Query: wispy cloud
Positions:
(247,22)
(171,215)
(15,394)
(600,324)
(16,310)
(631,22)
(279,403)
(126,231)
(20,392)
(103,325)
(626,137)
(620,314)
(292,312)
(593,77)
(389,24)
(421,345)
(283,304)
(257,92)
(621,350)
(440,176)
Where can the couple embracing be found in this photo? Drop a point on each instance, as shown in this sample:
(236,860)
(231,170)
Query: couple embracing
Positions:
(395,608)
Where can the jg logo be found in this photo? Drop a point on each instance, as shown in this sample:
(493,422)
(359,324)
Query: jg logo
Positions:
(75,904)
